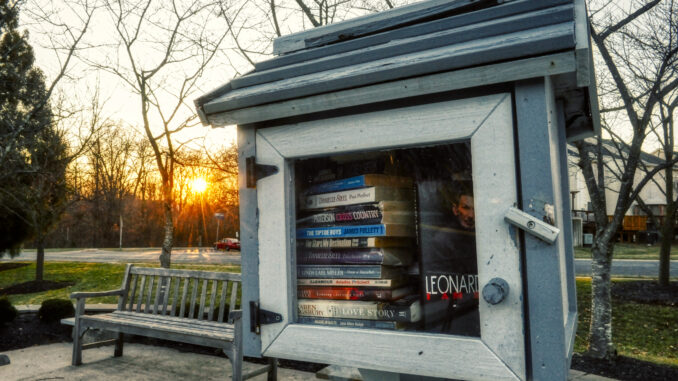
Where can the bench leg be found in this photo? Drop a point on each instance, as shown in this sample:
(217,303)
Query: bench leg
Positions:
(235,357)
(273,371)
(77,333)
(118,345)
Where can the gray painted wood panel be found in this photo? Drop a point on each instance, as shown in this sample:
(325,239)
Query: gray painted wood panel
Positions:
(545,307)
(477,31)
(510,46)
(494,13)
(249,224)
(366,24)
(485,75)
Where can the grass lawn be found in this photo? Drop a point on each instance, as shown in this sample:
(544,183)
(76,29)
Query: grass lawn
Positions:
(643,331)
(629,251)
(87,277)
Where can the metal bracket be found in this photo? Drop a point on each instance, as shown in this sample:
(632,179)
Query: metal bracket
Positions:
(259,317)
(256,172)
(532,225)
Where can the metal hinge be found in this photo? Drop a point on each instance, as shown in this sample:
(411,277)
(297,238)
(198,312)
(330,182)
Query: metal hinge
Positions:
(256,172)
(259,317)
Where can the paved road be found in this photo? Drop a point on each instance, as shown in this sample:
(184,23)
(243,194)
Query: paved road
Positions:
(626,267)
(179,255)
(620,267)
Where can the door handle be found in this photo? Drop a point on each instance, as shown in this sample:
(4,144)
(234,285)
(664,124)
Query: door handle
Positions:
(532,225)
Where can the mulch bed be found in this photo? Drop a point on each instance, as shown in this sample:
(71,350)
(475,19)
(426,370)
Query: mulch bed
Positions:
(27,330)
(35,286)
(11,265)
(646,292)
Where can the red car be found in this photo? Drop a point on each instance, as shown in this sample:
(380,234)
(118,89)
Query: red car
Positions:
(227,244)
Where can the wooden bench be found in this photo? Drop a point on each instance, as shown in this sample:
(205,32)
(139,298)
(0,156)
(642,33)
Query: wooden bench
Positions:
(162,303)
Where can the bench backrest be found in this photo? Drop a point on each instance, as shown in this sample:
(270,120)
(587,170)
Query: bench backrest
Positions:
(174,292)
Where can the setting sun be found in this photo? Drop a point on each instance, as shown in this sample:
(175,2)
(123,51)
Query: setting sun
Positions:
(198,185)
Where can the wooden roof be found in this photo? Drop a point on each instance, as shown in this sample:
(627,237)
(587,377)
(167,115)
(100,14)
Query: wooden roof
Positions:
(428,47)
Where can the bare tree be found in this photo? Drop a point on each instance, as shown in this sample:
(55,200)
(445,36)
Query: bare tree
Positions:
(160,50)
(638,82)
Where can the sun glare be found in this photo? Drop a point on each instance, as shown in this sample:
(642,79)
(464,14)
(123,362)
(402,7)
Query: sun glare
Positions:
(198,185)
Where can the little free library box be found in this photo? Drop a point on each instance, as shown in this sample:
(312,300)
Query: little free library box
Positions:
(403,189)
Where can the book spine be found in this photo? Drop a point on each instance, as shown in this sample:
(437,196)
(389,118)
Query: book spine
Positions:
(338,242)
(344,293)
(348,197)
(328,257)
(368,215)
(349,309)
(384,283)
(313,271)
(351,323)
(338,185)
(342,231)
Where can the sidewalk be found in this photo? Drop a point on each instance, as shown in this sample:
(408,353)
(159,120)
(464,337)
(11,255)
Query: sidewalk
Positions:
(151,363)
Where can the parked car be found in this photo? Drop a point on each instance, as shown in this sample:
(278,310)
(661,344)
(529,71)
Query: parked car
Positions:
(227,244)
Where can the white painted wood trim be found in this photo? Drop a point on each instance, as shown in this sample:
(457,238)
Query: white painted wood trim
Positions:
(423,124)
(275,261)
(466,78)
(488,122)
(494,192)
(399,352)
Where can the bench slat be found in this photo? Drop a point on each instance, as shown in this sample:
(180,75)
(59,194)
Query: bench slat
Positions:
(203,295)
(175,297)
(234,296)
(158,292)
(173,320)
(186,273)
(133,292)
(213,297)
(222,300)
(225,332)
(183,297)
(141,292)
(194,293)
(149,293)
(168,285)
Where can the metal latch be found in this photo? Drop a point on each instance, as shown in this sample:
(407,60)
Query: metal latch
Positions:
(259,317)
(256,172)
(532,225)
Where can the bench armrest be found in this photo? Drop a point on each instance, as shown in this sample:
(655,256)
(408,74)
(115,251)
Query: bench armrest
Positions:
(82,295)
(234,315)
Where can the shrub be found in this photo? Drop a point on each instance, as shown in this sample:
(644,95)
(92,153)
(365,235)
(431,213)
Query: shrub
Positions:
(7,311)
(53,310)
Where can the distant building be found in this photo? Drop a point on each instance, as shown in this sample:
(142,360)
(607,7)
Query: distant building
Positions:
(636,227)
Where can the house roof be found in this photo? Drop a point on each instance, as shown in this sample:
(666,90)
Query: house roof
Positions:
(616,150)
(495,41)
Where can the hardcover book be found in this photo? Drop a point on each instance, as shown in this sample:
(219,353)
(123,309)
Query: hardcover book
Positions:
(356,196)
(352,293)
(348,271)
(384,212)
(355,242)
(448,258)
(394,230)
(403,310)
(367,256)
(360,182)
(380,283)
(353,323)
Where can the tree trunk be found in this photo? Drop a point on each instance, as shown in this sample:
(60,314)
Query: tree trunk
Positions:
(40,259)
(668,232)
(168,241)
(600,331)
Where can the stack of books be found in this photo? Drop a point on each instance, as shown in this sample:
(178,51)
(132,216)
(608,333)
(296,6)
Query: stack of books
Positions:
(355,241)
